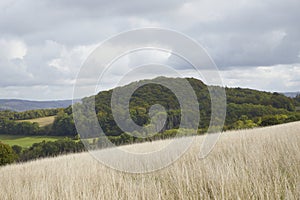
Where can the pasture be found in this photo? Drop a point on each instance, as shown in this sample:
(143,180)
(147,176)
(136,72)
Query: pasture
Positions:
(25,141)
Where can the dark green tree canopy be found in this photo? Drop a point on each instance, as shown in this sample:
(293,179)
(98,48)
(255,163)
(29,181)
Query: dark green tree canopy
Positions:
(7,155)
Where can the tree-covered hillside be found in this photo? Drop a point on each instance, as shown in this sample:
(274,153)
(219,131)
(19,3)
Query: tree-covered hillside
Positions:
(246,108)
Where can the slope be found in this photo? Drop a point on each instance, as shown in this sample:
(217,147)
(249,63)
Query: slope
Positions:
(261,163)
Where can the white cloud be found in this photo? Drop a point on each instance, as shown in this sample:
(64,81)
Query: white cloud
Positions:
(44,64)
(207,10)
(70,59)
(12,49)
(280,78)
(128,63)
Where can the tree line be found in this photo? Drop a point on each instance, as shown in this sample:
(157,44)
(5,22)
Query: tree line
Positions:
(63,124)
(30,114)
(15,153)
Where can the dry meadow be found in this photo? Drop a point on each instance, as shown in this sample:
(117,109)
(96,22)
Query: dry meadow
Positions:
(262,163)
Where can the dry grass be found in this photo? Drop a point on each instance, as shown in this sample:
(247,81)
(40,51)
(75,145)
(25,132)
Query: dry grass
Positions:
(251,164)
(43,121)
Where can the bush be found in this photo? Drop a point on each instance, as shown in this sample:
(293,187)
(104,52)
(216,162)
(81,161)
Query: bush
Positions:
(7,155)
(49,149)
(17,149)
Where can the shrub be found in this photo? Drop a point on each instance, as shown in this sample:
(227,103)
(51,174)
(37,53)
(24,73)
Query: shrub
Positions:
(7,155)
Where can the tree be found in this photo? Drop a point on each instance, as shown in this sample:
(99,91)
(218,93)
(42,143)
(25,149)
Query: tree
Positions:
(7,155)
(17,149)
(64,125)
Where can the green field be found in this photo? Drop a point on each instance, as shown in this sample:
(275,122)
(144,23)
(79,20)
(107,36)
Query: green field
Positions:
(43,121)
(26,141)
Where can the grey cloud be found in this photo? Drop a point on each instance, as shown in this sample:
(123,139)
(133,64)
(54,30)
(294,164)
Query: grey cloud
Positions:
(246,37)
(69,18)
(237,34)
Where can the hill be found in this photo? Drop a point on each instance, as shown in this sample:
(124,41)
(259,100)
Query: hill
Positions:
(246,108)
(291,94)
(259,163)
(24,105)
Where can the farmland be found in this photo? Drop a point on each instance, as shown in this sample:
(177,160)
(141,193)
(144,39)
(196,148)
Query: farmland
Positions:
(25,141)
(43,121)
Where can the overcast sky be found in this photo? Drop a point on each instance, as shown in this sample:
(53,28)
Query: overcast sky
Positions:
(254,43)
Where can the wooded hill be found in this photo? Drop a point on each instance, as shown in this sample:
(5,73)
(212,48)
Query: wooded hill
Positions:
(246,108)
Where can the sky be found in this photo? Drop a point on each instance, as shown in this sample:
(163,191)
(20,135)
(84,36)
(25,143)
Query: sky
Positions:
(43,44)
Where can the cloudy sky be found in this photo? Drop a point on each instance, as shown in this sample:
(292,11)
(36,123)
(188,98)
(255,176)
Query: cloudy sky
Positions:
(255,44)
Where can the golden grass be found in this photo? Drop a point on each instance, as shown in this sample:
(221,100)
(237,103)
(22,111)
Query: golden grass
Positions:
(261,163)
(43,121)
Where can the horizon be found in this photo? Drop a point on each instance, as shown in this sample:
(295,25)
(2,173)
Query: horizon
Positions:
(71,99)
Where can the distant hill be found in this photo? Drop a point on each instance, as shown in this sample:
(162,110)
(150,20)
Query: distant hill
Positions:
(23,105)
(291,94)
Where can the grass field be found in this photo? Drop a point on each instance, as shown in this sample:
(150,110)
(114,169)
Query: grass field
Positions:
(25,141)
(262,163)
(43,121)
